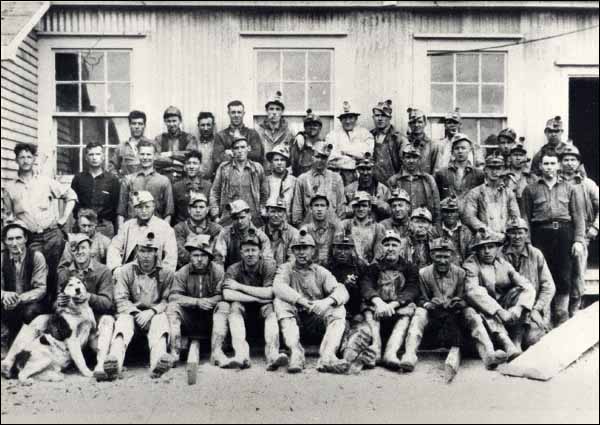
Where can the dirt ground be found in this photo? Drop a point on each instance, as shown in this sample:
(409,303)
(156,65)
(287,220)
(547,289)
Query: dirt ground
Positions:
(256,396)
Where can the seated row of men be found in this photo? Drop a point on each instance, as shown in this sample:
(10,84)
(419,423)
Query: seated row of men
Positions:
(348,304)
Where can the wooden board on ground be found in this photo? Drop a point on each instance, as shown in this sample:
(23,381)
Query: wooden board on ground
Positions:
(452,364)
(558,349)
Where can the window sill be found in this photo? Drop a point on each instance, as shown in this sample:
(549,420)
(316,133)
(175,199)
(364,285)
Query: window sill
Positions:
(467,36)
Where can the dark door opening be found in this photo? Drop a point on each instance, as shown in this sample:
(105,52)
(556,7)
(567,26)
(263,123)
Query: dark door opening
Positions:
(583,129)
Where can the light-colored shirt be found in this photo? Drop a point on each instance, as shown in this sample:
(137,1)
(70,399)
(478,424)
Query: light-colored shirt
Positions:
(348,146)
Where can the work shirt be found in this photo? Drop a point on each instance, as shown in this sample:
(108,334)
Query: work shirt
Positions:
(190,284)
(181,195)
(490,208)
(367,237)
(461,236)
(313,282)
(181,141)
(261,277)
(25,276)
(531,264)
(157,184)
(421,188)
(425,145)
(323,234)
(36,202)
(391,282)
(379,195)
(98,281)
(402,229)
(562,203)
(224,141)
(518,181)
(588,191)
(126,159)
(229,243)
(272,137)
(186,228)
(342,272)
(136,291)
(444,287)
(100,193)
(487,284)
(449,181)
(283,187)
(123,246)
(302,154)
(416,251)
(442,152)
(387,153)
(281,241)
(316,182)
(349,146)
(99,249)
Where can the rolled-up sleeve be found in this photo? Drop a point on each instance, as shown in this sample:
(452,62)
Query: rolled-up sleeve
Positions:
(122,294)
(333,288)
(282,285)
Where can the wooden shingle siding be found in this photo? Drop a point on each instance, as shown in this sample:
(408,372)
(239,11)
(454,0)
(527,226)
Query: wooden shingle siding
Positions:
(19,103)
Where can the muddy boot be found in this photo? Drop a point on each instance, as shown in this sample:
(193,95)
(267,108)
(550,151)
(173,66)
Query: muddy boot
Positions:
(516,335)
(328,359)
(574,305)
(105,332)
(358,353)
(275,359)
(560,309)
(237,327)
(511,350)
(113,365)
(219,333)
(376,346)
(413,340)
(291,336)
(491,359)
(164,364)
(390,358)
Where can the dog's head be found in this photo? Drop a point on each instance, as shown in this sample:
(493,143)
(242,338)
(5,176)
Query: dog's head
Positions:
(74,287)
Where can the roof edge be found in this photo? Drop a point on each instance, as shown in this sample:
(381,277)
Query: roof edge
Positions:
(10,51)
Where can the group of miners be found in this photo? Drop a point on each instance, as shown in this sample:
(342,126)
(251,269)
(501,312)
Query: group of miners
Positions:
(371,244)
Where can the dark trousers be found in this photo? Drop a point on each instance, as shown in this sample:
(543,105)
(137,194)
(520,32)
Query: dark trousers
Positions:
(556,246)
(51,243)
(12,320)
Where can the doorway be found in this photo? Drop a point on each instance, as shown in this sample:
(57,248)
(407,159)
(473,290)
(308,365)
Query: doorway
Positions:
(583,130)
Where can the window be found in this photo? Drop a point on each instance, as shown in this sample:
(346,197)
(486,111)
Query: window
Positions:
(473,82)
(93,89)
(304,76)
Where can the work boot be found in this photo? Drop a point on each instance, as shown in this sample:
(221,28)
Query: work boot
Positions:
(390,358)
(275,359)
(413,340)
(219,333)
(560,309)
(113,365)
(291,336)
(165,363)
(509,347)
(357,343)
(105,332)
(491,358)
(376,346)
(237,327)
(329,361)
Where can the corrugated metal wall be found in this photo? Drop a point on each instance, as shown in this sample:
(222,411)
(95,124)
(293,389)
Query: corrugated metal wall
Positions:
(196,53)
(19,103)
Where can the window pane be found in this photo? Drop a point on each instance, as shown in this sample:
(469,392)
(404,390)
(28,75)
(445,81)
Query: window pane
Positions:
(294,64)
(442,68)
(293,97)
(92,66)
(92,97)
(67,97)
(265,92)
(66,67)
(469,127)
(93,130)
(118,130)
(492,99)
(319,66)
(467,98)
(118,97)
(268,66)
(490,127)
(492,68)
(67,161)
(319,96)
(118,66)
(441,98)
(67,131)
(467,68)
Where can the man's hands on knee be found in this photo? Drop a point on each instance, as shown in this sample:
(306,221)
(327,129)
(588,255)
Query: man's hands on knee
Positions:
(205,304)
(10,300)
(144,319)
(321,307)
